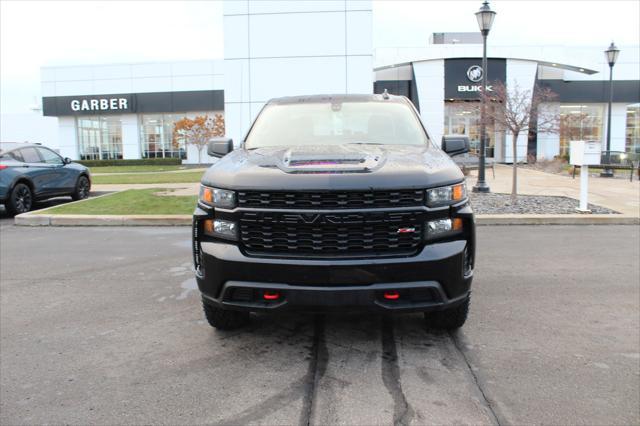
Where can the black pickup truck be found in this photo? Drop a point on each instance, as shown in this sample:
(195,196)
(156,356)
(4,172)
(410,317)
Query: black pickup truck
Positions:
(338,202)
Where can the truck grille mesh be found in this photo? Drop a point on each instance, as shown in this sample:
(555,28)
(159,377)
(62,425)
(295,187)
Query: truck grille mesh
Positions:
(340,235)
(331,200)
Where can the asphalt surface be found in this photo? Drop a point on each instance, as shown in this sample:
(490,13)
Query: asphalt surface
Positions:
(104,326)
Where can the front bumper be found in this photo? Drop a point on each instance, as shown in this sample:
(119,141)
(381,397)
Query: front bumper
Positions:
(431,280)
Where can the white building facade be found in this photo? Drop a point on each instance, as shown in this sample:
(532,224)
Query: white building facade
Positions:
(286,48)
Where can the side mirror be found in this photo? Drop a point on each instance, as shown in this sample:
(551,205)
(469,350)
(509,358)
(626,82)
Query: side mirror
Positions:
(219,147)
(66,160)
(455,144)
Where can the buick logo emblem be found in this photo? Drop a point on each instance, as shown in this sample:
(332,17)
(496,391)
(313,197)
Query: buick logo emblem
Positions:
(475,73)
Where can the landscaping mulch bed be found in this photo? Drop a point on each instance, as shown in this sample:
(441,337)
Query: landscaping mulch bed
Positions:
(493,203)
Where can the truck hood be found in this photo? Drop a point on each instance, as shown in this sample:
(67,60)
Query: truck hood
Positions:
(339,167)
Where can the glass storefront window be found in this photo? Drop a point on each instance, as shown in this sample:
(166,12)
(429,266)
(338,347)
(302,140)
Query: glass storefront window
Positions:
(580,122)
(632,131)
(157,136)
(99,138)
(463,118)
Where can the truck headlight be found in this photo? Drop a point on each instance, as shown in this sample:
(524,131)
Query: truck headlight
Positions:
(446,195)
(216,197)
(442,227)
(221,228)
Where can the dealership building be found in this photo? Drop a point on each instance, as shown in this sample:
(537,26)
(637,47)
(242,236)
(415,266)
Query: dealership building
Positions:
(128,111)
(277,49)
(443,81)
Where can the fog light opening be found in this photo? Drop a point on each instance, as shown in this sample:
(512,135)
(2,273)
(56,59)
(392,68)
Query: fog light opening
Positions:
(391,295)
(271,295)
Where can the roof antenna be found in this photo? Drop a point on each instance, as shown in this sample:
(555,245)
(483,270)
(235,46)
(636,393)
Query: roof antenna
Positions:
(385,94)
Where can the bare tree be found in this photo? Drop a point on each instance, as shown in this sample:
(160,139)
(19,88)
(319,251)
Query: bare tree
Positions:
(515,110)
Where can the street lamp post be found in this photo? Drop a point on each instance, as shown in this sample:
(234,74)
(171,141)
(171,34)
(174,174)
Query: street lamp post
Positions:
(612,56)
(485,18)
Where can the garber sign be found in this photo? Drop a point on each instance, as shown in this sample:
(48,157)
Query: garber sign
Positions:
(463,77)
(101,104)
(132,103)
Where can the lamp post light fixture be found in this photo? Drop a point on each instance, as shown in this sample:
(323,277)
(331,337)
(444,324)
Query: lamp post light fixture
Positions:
(485,18)
(612,56)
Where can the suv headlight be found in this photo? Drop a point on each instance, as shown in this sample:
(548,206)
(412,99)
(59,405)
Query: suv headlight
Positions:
(216,197)
(446,195)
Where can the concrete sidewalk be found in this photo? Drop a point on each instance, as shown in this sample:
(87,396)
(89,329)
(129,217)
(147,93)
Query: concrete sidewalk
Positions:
(180,188)
(188,170)
(617,194)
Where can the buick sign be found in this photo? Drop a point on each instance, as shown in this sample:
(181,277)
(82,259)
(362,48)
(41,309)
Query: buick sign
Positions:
(464,77)
(475,73)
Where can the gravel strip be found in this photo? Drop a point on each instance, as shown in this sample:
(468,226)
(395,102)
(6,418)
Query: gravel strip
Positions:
(493,203)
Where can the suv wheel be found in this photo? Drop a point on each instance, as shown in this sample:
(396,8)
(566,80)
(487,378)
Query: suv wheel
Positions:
(449,319)
(20,200)
(224,319)
(82,189)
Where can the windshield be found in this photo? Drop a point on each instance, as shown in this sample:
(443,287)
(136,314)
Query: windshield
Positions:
(384,123)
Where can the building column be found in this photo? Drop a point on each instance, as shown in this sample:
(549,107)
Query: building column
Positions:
(68,137)
(130,137)
(521,75)
(430,87)
(618,127)
(548,144)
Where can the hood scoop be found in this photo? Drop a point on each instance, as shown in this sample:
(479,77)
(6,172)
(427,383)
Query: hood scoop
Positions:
(334,161)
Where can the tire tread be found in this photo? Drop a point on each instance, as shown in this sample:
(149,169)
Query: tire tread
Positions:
(449,319)
(224,319)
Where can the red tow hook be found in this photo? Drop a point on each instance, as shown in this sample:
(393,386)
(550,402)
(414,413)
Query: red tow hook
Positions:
(391,295)
(271,295)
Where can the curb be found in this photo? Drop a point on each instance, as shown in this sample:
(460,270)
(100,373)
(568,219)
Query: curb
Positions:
(103,220)
(556,219)
(40,219)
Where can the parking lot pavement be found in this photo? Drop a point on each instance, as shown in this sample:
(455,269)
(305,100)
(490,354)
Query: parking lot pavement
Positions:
(103,326)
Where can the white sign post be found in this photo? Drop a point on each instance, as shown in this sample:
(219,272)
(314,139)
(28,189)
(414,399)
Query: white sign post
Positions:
(584,154)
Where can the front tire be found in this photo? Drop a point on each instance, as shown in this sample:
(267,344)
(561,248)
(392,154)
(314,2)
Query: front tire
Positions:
(83,187)
(224,319)
(20,199)
(449,319)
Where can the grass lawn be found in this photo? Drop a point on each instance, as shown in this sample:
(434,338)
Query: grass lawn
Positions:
(135,169)
(184,177)
(131,201)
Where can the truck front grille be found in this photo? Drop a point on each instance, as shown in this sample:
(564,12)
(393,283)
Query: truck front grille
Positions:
(331,235)
(331,200)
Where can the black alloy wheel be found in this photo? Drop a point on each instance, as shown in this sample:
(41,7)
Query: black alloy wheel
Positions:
(82,188)
(21,199)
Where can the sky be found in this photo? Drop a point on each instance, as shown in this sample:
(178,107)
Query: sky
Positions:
(46,33)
